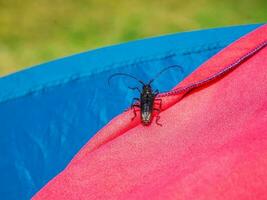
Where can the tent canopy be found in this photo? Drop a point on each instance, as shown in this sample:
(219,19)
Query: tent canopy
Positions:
(48,112)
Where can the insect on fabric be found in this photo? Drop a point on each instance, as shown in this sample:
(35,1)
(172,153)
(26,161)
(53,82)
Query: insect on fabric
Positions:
(147,103)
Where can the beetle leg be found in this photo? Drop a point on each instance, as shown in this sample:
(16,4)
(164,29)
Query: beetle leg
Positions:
(157,121)
(160,103)
(134,99)
(158,110)
(158,117)
(156,92)
(137,103)
(133,106)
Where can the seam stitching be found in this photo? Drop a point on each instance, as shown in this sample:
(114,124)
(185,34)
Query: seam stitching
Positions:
(76,77)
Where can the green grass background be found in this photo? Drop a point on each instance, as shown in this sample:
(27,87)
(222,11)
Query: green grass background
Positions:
(36,31)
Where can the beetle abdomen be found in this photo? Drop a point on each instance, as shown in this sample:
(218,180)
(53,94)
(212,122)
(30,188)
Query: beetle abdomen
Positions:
(146,114)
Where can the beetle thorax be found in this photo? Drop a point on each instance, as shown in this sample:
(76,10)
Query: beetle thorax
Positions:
(147,90)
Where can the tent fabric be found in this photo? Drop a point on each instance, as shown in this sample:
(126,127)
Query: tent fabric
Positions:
(212,144)
(48,112)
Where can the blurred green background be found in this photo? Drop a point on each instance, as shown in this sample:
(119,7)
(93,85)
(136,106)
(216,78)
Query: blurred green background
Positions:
(35,31)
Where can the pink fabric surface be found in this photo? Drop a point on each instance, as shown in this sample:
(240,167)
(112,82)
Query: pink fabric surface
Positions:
(212,145)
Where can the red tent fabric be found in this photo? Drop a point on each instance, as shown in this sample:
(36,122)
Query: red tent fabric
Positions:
(212,144)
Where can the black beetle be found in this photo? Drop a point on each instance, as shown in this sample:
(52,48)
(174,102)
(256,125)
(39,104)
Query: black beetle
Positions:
(147,98)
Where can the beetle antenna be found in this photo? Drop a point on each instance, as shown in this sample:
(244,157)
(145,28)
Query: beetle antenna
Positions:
(163,70)
(124,74)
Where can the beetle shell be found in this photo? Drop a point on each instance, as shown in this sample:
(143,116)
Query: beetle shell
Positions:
(147,102)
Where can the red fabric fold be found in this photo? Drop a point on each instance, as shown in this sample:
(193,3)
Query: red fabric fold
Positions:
(212,144)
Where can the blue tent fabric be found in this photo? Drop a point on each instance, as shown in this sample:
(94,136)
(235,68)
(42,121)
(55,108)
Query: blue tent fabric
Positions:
(48,112)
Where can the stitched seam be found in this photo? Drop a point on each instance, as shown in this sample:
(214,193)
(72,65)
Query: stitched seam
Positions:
(76,77)
(219,74)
